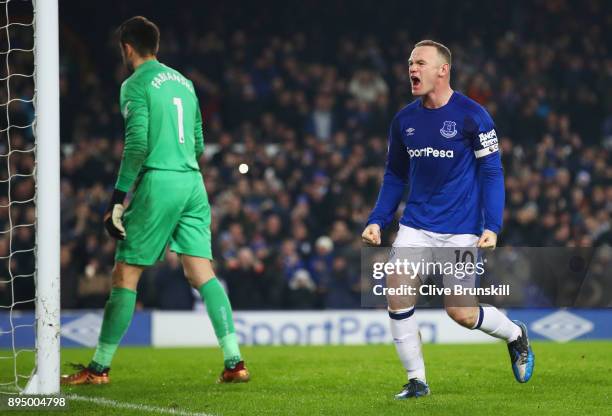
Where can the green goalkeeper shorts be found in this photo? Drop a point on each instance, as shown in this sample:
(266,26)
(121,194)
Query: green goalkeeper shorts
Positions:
(167,208)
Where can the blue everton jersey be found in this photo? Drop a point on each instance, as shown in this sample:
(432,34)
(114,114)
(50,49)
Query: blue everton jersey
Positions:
(449,158)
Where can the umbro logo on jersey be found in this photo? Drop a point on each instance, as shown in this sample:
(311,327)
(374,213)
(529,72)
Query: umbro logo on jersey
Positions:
(448,129)
(126,109)
(409,131)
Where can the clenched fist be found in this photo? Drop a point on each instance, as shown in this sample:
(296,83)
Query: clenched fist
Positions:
(488,239)
(371,234)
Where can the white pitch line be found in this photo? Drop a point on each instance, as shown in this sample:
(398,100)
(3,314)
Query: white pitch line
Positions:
(133,406)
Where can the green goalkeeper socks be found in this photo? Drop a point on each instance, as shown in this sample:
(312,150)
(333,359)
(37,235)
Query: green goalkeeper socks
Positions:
(220,314)
(117,317)
(120,309)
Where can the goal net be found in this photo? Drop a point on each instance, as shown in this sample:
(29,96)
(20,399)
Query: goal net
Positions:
(29,197)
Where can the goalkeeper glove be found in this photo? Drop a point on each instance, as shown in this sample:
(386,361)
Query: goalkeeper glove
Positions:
(113,217)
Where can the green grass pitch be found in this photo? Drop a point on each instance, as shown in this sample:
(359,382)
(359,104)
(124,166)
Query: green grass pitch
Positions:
(572,378)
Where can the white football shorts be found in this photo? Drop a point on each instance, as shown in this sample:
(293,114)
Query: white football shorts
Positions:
(439,254)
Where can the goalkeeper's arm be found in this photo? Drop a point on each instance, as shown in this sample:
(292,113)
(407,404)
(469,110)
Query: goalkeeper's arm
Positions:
(199,135)
(136,115)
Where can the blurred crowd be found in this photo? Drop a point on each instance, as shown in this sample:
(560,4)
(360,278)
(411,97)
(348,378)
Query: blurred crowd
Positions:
(307,108)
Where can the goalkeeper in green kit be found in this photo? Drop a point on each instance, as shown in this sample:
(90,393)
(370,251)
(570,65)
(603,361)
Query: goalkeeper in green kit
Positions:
(163,142)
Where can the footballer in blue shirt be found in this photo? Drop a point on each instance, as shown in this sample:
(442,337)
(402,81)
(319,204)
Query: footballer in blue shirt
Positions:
(444,148)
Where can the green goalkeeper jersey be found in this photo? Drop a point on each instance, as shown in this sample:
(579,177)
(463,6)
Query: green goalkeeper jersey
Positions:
(163,123)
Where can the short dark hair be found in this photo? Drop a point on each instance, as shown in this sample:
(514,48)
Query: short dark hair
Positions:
(442,50)
(141,34)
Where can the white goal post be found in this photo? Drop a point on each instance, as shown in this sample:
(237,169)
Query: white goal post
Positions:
(45,379)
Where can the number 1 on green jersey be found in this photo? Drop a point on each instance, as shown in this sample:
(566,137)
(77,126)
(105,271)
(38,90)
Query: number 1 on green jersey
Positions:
(179,109)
